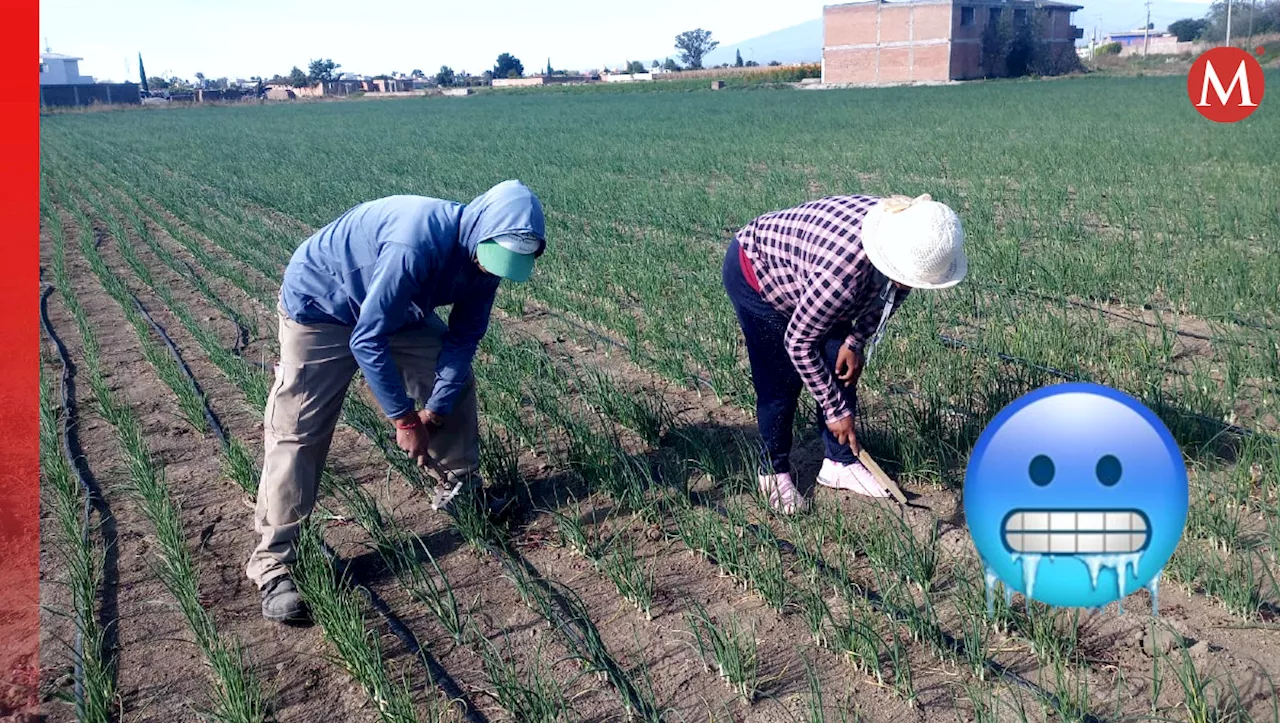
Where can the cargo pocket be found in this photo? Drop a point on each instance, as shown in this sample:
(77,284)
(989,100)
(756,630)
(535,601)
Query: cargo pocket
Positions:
(285,401)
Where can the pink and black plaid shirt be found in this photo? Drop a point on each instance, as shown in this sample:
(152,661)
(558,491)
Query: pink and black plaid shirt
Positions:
(811,267)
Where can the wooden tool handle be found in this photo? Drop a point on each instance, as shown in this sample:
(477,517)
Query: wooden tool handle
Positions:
(885,481)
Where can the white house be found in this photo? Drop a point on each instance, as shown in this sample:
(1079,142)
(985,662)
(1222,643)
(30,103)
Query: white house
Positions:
(625,77)
(59,69)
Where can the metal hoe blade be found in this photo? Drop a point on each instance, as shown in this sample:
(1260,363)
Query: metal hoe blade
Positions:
(443,493)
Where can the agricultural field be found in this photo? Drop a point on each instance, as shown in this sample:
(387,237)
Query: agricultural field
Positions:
(1113,235)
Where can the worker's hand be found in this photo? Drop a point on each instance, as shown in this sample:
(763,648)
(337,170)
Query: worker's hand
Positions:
(848,366)
(430,419)
(844,434)
(413,436)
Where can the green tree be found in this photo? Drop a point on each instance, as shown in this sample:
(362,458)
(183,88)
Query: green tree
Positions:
(656,64)
(670,65)
(550,72)
(297,78)
(635,66)
(774,64)
(738,63)
(508,66)
(446,77)
(1013,49)
(694,46)
(200,80)
(157,83)
(1189,29)
(1255,18)
(321,71)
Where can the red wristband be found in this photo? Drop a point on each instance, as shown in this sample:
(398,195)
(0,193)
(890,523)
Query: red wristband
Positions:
(417,422)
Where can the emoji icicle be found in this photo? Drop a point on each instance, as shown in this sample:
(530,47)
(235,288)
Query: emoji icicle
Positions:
(1122,565)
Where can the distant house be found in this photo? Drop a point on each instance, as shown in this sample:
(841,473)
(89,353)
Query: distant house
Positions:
(1135,42)
(1132,37)
(625,77)
(59,69)
(875,41)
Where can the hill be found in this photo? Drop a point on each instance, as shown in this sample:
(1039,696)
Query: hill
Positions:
(797,44)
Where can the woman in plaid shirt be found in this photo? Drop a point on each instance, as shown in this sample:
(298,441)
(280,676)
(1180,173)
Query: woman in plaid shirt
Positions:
(813,287)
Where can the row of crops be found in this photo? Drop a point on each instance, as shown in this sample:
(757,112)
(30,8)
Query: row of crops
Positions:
(849,612)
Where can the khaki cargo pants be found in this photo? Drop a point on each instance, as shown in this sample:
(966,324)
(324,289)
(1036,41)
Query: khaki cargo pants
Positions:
(303,407)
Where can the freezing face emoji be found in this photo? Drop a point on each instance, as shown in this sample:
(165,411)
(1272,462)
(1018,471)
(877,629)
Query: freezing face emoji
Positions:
(1075,496)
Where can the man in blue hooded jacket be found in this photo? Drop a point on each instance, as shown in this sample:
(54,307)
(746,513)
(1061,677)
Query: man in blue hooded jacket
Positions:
(360,294)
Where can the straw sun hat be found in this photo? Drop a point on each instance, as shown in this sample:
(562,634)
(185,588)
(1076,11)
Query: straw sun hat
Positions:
(915,241)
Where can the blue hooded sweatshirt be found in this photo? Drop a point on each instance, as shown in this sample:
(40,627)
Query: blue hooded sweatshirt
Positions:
(385,265)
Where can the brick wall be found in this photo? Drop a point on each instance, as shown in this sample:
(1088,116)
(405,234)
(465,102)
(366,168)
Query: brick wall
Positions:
(875,42)
(924,40)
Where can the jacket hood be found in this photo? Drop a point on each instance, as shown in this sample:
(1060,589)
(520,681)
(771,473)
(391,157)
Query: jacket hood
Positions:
(509,207)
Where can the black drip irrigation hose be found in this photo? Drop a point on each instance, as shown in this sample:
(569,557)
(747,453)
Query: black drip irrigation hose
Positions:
(874,599)
(1224,426)
(93,498)
(1230,318)
(438,675)
(520,568)
(242,334)
(955,344)
(557,613)
(435,672)
(186,371)
(604,339)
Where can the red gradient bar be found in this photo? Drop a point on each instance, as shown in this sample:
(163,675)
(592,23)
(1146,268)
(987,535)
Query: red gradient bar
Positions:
(19,364)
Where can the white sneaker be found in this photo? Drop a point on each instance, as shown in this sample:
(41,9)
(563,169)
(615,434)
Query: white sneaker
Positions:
(850,477)
(782,493)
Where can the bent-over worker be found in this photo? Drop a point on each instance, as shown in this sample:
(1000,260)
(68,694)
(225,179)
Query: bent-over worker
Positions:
(360,294)
(813,287)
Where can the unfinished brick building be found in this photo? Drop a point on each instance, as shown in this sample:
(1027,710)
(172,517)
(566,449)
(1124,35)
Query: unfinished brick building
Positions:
(876,41)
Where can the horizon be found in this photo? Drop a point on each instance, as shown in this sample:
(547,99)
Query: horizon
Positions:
(183,38)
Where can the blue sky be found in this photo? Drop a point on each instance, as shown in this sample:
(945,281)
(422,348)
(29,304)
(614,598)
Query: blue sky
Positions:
(264,37)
